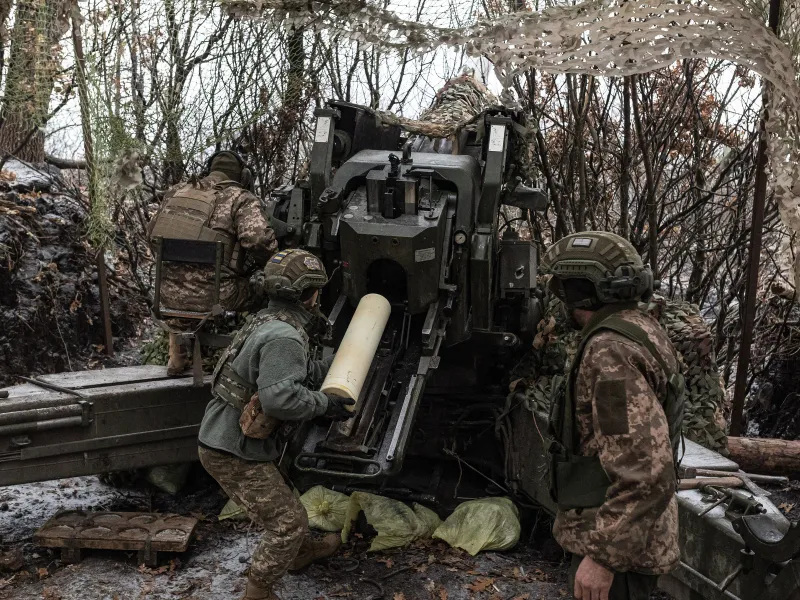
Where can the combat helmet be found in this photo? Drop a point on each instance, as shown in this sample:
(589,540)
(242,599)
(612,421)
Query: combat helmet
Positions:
(597,267)
(291,272)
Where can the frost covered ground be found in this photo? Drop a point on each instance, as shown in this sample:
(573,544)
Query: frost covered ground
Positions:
(213,567)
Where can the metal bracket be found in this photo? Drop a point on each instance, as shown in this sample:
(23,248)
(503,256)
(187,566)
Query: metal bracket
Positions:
(762,536)
(339,458)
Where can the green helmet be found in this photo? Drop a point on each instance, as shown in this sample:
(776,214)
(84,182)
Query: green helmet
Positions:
(291,272)
(605,260)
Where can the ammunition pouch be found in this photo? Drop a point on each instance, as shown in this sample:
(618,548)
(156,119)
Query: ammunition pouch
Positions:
(576,481)
(255,423)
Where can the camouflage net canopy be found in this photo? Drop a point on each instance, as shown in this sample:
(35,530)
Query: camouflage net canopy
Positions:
(595,37)
(556,343)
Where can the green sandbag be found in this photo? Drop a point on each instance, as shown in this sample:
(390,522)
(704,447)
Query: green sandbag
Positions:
(231,510)
(485,524)
(428,517)
(397,525)
(326,509)
(169,478)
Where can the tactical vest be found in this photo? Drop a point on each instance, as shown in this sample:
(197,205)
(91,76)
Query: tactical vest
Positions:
(227,384)
(577,481)
(186,216)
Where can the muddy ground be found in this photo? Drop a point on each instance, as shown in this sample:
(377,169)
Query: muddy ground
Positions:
(213,568)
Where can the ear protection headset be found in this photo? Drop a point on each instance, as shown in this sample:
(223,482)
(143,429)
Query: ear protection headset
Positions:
(246,179)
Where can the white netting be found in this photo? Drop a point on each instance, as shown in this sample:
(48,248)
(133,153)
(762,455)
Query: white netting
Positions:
(596,38)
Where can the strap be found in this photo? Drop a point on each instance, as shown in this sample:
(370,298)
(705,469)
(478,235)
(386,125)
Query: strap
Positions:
(228,372)
(637,334)
(568,411)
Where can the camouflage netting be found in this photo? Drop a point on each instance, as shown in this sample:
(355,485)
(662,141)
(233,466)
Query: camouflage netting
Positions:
(556,343)
(595,37)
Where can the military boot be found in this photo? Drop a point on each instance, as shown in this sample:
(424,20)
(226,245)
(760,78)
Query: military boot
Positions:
(176,364)
(313,550)
(254,591)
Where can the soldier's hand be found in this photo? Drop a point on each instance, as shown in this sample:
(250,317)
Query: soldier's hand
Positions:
(592,581)
(337,408)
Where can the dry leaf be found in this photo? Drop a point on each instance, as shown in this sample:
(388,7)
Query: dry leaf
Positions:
(785,507)
(480,584)
(523,597)
(386,561)
(443,594)
(43,573)
(399,596)
(50,593)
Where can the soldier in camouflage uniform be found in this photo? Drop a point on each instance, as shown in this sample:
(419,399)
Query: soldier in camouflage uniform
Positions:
(261,386)
(616,424)
(218,207)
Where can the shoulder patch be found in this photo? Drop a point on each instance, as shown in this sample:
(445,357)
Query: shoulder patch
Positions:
(611,400)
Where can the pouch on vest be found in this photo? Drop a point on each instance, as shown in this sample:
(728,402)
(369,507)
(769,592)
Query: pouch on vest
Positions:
(254,423)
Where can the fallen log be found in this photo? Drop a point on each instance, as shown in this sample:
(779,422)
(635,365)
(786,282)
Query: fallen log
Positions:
(762,455)
(64,163)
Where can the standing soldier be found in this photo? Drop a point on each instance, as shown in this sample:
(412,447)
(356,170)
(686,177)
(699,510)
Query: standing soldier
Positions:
(616,425)
(218,207)
(262,387)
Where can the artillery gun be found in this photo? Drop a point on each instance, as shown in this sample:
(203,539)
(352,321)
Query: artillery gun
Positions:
(423,229)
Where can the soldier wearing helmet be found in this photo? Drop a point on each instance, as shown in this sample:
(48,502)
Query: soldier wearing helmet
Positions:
(262,387)
(218,207)
(615,423)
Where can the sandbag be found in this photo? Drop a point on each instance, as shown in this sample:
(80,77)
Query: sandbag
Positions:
(169,478)
(231,510)
(485,524)
(397,525)
(429,518)
(326,509)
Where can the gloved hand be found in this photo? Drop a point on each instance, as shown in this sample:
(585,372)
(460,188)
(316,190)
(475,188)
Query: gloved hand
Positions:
(337,410)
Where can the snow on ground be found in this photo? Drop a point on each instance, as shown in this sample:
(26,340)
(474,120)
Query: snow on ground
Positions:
(215,564)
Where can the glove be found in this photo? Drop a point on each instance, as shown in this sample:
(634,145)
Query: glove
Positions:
(337,410)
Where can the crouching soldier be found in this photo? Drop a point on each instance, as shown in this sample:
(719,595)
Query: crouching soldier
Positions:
(261,386)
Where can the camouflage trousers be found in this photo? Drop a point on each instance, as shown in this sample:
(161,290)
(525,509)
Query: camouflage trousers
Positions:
(259,488)
(626,586)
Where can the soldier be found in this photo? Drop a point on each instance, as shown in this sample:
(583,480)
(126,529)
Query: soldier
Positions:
(260,389)
(218,207)
(616,425)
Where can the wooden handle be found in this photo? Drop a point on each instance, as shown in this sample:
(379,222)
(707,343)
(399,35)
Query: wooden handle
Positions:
(696,484)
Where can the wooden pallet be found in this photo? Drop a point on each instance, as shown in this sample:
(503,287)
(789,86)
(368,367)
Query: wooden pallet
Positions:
(146,533)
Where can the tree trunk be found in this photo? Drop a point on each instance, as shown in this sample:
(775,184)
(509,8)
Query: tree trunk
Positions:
(5,11)
(33,63)
(766,456)
(625,172)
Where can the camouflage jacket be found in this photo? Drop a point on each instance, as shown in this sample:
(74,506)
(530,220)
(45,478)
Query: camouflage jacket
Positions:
(619,418)
(238,213)
(276,357)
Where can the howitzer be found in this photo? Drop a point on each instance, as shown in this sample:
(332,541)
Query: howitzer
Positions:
(434,422)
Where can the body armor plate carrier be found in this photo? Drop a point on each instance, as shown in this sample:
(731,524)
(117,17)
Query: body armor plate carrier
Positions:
(227,384)
(578,482)
(186,216)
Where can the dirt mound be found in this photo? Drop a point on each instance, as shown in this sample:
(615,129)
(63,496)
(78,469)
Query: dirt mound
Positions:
(50,316)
